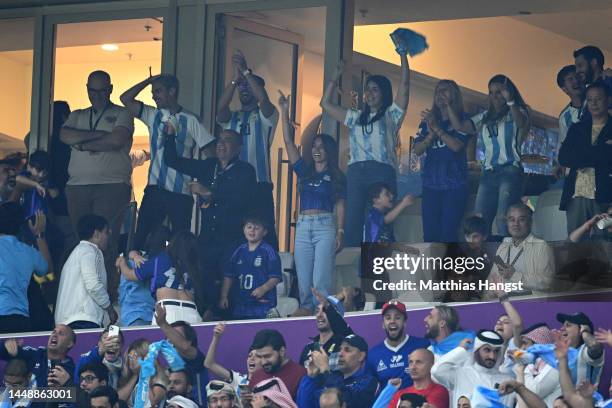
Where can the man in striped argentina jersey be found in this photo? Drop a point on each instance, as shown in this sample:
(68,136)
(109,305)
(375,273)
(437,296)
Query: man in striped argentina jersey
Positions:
(167,192)
(578,329)
(568,81)
(256,122)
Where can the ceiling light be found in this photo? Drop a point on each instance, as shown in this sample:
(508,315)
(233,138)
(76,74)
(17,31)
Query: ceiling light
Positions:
(109,47)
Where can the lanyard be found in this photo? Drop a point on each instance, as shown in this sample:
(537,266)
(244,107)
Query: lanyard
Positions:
(220,172)
(515,258)
(93,126)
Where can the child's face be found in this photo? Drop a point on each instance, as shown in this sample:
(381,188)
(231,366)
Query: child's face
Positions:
(475,239)
(37,175)
(384,200)
(254,232)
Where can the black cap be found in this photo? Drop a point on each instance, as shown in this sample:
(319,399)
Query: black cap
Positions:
(356,341)
(578,318)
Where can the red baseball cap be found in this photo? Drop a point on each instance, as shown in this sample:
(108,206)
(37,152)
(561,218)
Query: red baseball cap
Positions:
(394,304)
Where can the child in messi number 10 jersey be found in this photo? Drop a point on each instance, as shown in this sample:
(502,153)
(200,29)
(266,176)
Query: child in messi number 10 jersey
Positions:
(252,274)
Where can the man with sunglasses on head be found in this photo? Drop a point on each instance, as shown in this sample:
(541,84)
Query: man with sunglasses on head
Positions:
(256,122)
(100,168)
(221,395)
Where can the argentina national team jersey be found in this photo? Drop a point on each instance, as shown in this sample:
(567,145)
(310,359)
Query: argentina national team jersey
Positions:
(568,116)
(191,135)
(162,274)
(250,270)
(257,135)
(387,362)
(376,141)
(498,140)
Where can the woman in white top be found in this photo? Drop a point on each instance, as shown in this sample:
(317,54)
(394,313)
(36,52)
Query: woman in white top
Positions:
(373,141)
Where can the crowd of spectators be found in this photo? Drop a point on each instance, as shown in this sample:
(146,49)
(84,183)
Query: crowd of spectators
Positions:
(509,365)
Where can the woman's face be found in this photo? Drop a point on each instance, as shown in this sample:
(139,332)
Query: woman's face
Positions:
(319,155)
(495,96)
(443,96)
(373,96)
(252,364)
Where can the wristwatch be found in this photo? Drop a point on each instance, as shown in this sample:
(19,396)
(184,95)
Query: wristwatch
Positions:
(247,72)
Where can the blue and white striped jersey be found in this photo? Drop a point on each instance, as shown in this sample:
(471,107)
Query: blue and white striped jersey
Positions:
(257,135)
(376,141)
(568,116)
(191,135)
(499,141)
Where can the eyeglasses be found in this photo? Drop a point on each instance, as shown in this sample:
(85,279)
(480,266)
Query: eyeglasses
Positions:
(88,378)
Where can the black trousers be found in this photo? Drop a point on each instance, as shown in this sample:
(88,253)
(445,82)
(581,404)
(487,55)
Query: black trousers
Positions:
(14,324)
(156,205)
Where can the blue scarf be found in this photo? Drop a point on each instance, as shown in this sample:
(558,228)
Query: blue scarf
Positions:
(147,368)
(486,398)
(452,342)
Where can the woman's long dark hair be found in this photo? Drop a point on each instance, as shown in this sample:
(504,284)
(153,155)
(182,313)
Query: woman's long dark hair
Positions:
(492,116)
(157,241)
(387,95)
(183,250)
(331,153)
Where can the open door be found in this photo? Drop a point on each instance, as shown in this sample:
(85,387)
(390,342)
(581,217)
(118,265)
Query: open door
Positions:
(275,55)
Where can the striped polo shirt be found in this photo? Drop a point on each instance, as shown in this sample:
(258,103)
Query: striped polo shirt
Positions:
(191,136)
(568,116)
(376,141)
(499,141)
(257,135)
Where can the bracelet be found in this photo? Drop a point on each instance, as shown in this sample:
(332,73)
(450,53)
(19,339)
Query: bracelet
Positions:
(510,103)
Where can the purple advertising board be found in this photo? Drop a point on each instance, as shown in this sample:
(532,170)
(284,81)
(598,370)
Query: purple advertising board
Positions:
(233,350)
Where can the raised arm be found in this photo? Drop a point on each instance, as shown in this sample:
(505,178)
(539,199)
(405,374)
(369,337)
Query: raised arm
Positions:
(403,93)
(530,399)
(331,108)
(128,98)
(399,207)
(515,319)
(223,109)
(258,90)
(180,343)
(181,164)
(210,361)
(292,150)
(572,397)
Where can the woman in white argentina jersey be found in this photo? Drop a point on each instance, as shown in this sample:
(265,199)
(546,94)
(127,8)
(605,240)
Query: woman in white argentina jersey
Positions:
(373,140)
(501,131)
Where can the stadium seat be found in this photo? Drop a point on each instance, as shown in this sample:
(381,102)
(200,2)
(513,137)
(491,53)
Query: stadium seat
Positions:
(549,223)
(347,267)
(284,288)
(408,227)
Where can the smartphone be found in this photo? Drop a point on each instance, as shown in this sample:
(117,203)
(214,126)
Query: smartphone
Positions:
(113,331)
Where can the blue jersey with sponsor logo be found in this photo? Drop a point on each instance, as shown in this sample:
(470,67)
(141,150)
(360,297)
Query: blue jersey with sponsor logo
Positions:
(387,362)
(250,270)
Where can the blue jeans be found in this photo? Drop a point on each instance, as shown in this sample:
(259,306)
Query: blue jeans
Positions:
(359,177)
(442,213)
(498,189)
(315,258)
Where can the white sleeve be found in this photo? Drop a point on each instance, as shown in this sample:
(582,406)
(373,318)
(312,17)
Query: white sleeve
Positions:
(94,286)
(351,118)
(147,115)
(270,123)
(445,369)
(543,384)
(396,114)
(200,134)
(545,266)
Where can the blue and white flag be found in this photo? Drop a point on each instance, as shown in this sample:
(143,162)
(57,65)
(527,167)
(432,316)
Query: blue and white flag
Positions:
(452,342)
(485,398)
(547,353)
(408,41)
(147,368)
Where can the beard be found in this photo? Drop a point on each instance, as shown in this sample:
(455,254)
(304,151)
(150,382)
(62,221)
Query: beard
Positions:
(432,333)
